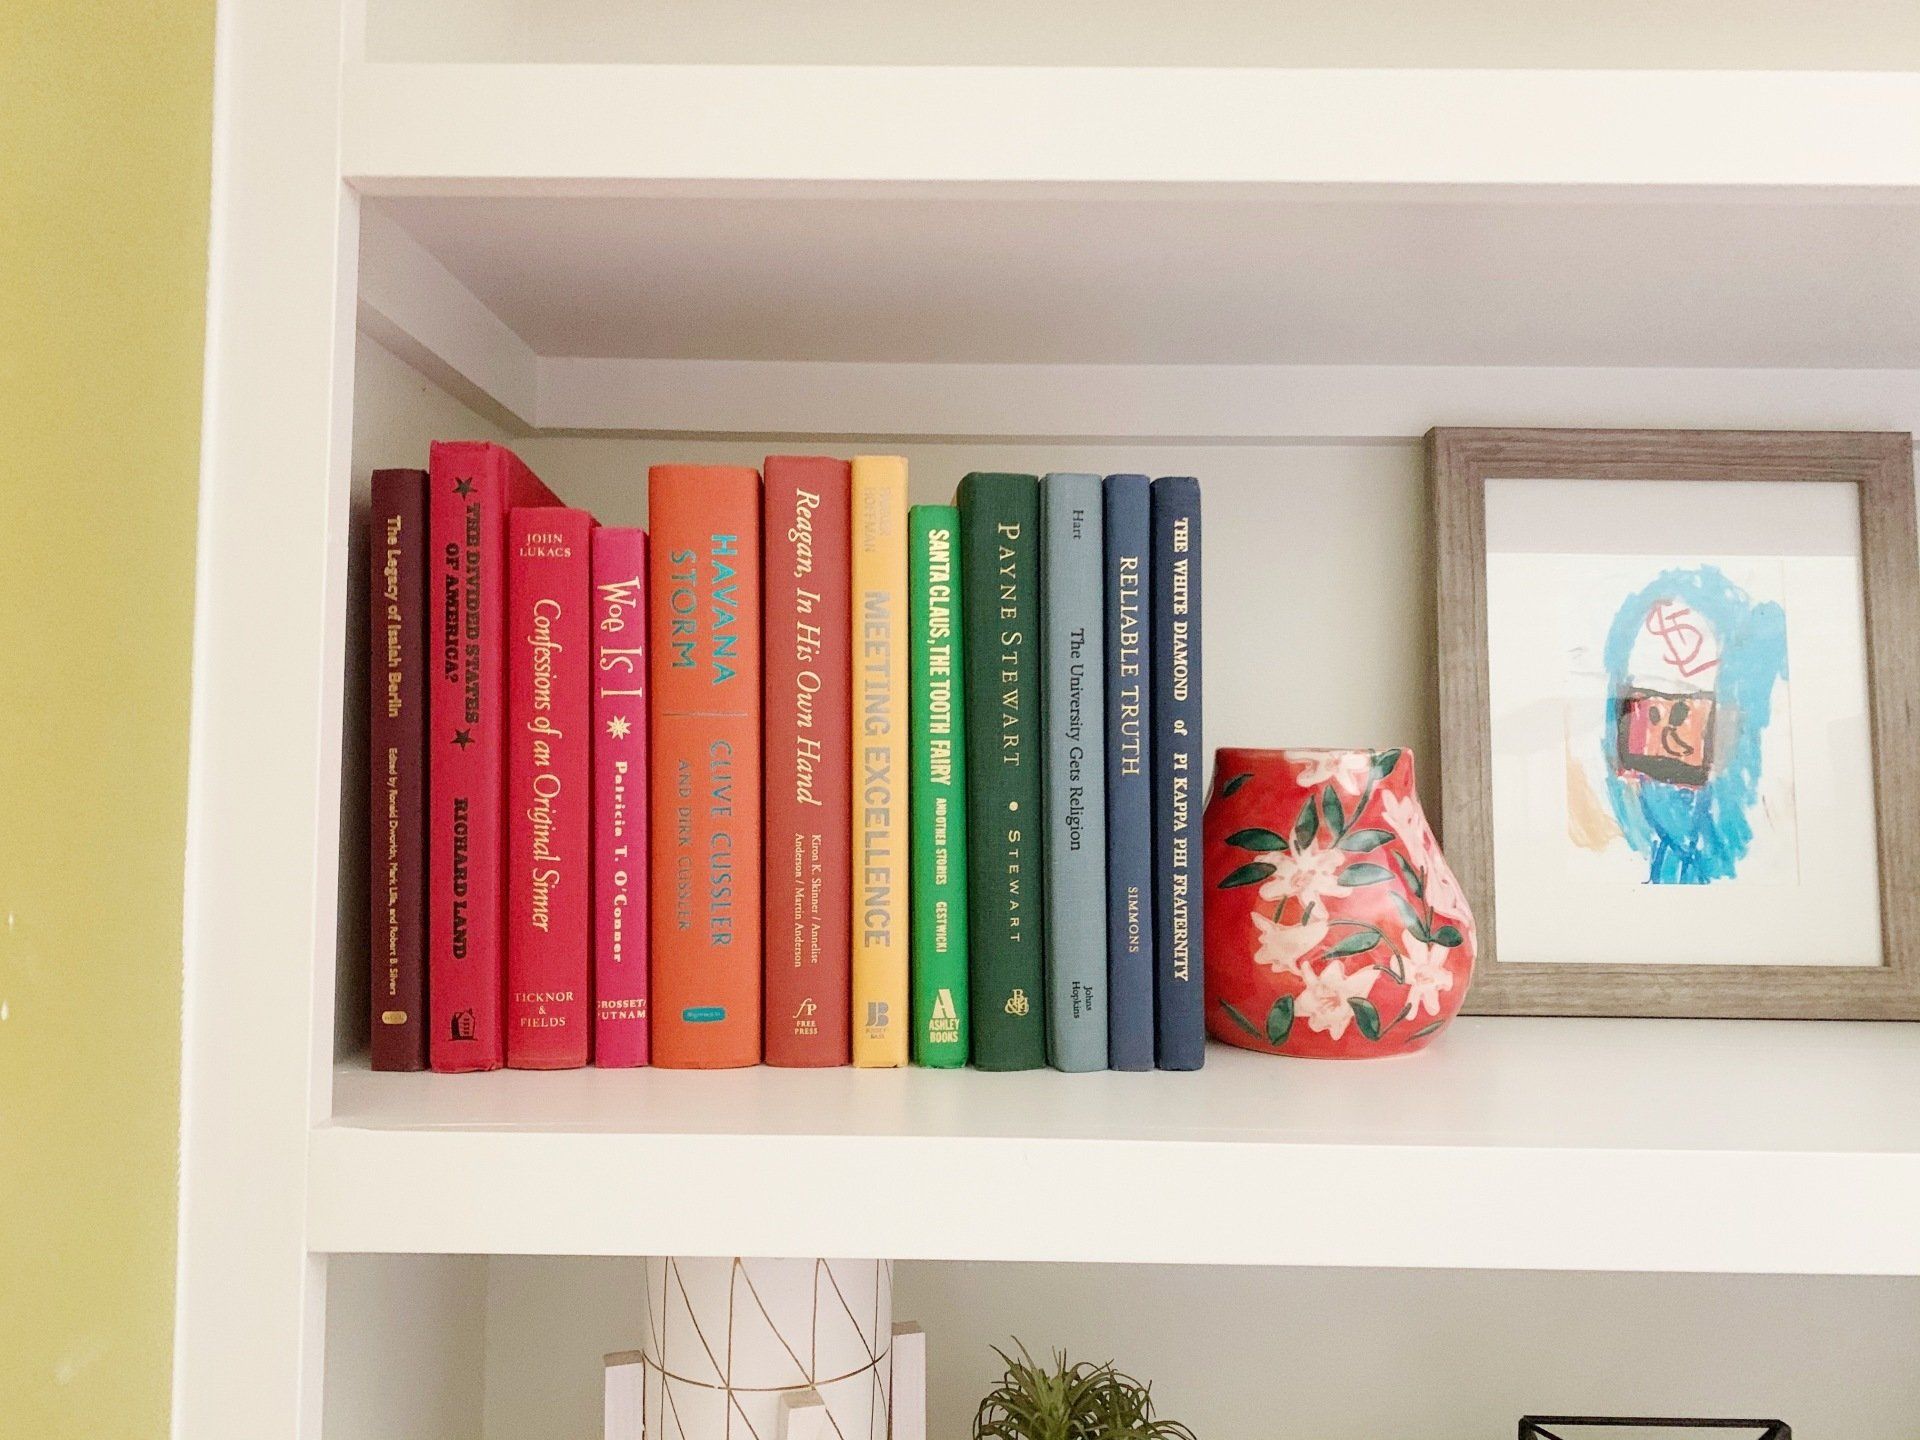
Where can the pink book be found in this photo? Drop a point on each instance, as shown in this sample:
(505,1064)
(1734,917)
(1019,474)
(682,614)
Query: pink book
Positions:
(549,788)
(620,797)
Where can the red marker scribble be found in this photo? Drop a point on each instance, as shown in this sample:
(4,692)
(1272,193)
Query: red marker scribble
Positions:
(1685,642)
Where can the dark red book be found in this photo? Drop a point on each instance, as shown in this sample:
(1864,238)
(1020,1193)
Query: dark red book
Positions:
(397,768)
(471,486)
(809,762)
(619,796)
(704,619)
(549,789)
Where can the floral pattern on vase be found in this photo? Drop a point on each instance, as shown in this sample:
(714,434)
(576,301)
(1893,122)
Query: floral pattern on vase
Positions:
(1334,927)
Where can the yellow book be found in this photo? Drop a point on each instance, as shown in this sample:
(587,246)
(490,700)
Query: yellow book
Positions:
(882,1014)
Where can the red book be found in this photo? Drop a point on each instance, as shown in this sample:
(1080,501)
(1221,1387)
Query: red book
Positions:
(471,487)
(704,621)
(809,766)
(619,618)
(397,767)
(549,789)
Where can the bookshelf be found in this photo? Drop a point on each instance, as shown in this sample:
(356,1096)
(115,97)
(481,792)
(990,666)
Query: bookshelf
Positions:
(1339,259)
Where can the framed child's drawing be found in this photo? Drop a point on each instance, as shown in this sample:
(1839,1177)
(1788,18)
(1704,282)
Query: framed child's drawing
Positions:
(1680,719)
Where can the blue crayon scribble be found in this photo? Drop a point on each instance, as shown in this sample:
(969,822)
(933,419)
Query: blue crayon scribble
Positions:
(1697,834)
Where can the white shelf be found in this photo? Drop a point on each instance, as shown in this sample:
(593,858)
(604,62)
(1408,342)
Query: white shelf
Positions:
(527,128)
(1540,1144)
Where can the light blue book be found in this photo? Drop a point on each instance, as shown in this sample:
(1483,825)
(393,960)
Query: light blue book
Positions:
(1074,688)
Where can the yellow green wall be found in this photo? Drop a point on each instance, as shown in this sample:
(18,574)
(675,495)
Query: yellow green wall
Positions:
(105,123)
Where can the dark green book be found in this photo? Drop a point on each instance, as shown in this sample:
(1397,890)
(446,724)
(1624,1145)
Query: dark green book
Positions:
(1000,633)
(939,796)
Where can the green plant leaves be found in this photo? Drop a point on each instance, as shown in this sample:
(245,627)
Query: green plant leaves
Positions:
(1416,882)
(1235,783)
(1358,841)
(1449,936)
(1426,1030)
(1258,839)
(1307,826)
(1359,942)
(1363,872)
(1252,873)
(1280,1020)
(1240,1020)
(1330,807)
(1384,762)
(1366,1017)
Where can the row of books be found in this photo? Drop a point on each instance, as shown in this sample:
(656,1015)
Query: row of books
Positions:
(808,777)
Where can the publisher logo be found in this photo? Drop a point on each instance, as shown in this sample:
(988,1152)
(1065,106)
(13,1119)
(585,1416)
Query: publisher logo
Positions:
(804,1018)
(1017,1003)
(877,1015)
(943,1026)
(463,1026)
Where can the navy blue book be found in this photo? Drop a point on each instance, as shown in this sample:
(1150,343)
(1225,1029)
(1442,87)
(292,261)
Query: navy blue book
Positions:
(1127,595)
(1180,1035)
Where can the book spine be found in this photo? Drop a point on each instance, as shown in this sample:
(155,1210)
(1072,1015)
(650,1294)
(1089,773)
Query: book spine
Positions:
(938,790)
(471,487)
(809,756)
(704,625)
(1130,909)
(879,913)
(397,769)
(1180,1032)
(999,574)
(620,888)
(549,789)
(1076,782)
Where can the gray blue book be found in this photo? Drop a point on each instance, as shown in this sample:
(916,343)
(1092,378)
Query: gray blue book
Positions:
(1074,687)
(1180,1038)
(1127,598)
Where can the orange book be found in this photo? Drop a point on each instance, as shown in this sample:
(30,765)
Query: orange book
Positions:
(704,623)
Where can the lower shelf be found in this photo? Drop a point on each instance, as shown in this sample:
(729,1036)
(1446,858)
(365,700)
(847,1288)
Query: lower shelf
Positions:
(1533,1144)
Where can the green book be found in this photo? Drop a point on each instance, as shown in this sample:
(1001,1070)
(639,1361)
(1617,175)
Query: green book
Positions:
(1000,633)
(939,796)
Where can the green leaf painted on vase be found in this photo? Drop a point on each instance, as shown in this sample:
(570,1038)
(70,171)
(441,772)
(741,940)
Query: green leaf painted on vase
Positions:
(1426,1030)
(1359,841)
(1413,878)
(1258,839)
(1235,783)
(1358,943)
(1366,1017)
(1330,808)
(1240,1020)
(1449,936)
(1411,917)
(1307,826)
(1280,1021)
(1384,762)
(1364,872)
(1252,873)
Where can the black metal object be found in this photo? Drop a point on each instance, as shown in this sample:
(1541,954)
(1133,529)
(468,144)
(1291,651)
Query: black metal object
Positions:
(1547,1427)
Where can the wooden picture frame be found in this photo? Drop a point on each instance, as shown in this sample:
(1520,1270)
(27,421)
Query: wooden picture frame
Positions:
(1460,463)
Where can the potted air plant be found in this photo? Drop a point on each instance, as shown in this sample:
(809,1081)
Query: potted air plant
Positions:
(1081,1401)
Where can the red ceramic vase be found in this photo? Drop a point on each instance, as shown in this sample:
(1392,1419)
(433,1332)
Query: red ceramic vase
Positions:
(1334,927)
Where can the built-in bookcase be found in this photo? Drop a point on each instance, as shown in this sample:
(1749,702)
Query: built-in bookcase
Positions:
(1276,280)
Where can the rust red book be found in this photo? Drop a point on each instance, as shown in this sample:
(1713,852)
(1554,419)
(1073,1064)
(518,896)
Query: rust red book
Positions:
(619,617)
(704,623)
(808,748)
(397,768)
(549,789)
(471,487)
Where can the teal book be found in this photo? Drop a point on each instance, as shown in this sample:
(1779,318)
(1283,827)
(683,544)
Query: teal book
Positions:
(939,788)
(1000,633)
(1074,690)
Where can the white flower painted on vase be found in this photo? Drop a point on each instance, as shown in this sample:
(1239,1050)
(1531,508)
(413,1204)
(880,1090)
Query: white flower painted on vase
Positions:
(1283,947)
(1425,967)
(1347,768)
(1324,1002)
(1309,877)
(1407,820)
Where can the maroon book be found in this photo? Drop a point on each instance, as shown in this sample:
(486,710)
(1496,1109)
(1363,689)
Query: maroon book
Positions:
(809,762)
(471,486)
(397,768)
